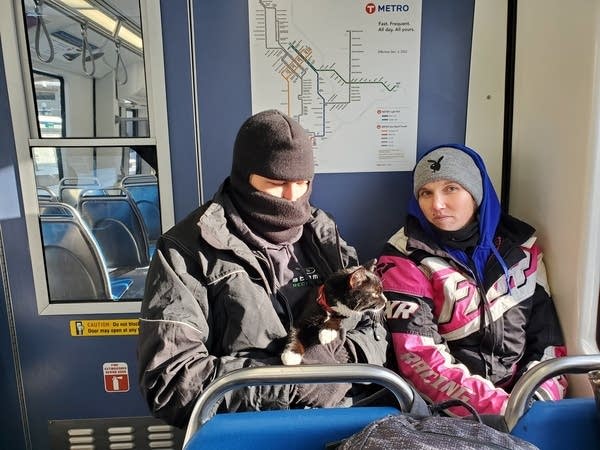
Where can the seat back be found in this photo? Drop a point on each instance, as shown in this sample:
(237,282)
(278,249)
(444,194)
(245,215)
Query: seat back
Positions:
(74,264)
(69,189)
(117,225)
(46,194)
(297,429)
(289,429)
(567,423)
(144,191)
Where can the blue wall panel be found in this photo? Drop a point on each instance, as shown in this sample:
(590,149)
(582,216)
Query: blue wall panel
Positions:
(368,207)
(11,430)
(179,93)
(223,68)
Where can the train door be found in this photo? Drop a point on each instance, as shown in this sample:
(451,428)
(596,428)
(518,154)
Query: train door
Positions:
(89,157)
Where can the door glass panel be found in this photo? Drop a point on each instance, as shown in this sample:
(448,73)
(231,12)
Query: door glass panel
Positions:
(95,48)
(99,220)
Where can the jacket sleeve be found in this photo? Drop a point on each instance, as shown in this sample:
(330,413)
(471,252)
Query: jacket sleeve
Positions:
(544,336)
(174,361)
(368,342)
(423,356)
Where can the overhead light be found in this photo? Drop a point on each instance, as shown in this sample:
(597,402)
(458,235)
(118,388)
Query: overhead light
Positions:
(106,22)
(95,15)
(127,35)
(87,11)
(77,4)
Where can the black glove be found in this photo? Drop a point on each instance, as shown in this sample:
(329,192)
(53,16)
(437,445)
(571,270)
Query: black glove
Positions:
(323,395)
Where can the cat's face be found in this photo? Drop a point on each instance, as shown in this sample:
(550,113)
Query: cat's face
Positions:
(356,289)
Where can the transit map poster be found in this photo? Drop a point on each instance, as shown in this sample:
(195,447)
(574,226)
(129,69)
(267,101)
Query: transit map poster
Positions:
(348,71)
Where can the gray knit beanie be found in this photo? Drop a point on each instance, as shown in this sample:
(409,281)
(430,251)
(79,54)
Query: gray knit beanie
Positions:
(273,145)
(448,163)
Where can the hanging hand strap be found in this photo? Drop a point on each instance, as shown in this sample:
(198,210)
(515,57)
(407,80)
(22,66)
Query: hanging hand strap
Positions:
(85,49)
(41,25)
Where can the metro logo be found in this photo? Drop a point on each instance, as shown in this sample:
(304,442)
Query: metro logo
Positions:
(371,8)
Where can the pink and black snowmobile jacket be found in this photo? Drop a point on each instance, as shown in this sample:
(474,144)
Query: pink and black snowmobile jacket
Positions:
(465,329)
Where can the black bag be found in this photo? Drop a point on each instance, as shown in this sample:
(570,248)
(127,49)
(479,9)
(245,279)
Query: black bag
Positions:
(435,432)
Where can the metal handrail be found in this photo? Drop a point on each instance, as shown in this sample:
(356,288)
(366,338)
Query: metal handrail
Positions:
(518,402)
(306,374)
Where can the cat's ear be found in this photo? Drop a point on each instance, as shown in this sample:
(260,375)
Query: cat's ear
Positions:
(370,265)
(357,277)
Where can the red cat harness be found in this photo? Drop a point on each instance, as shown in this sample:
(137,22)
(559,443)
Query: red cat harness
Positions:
(322,300)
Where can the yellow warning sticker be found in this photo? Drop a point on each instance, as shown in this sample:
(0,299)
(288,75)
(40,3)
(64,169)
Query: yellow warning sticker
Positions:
(112,327)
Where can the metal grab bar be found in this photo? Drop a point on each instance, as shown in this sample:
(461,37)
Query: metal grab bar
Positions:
(306,374)
(521,394)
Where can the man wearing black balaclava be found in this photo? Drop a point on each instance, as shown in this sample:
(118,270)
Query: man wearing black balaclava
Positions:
(227,282)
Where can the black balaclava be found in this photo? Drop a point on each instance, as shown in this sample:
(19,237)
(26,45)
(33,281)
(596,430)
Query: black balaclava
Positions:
(275,146)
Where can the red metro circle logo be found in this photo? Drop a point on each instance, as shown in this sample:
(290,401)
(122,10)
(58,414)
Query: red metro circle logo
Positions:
(370,8)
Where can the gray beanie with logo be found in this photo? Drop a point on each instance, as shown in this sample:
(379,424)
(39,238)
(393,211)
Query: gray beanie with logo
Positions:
(448,163)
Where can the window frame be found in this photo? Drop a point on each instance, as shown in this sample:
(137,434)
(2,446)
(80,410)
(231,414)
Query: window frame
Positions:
(23,109)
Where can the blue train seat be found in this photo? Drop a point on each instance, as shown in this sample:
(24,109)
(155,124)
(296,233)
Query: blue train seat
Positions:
(565,424)
(302,429)
(144,191)
(571,423)
(288,429)
(69,189)
(117,225)
(75,267)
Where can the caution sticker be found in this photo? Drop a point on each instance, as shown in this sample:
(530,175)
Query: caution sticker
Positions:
(113,327)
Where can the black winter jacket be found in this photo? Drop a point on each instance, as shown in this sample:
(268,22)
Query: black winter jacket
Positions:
(209,309)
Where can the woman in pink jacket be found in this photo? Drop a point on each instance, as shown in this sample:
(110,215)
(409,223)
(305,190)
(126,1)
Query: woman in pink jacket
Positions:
(469,308)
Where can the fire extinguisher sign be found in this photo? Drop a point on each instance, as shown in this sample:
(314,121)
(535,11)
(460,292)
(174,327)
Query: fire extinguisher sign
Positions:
(116,377)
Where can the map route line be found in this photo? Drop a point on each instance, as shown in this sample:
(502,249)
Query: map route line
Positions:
(350,82)
(293,59)
(348,73)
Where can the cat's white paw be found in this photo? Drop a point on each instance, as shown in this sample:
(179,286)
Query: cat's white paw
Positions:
(327,335)
(290,358)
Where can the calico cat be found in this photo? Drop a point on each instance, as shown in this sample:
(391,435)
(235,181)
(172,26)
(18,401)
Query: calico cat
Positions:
(348,292)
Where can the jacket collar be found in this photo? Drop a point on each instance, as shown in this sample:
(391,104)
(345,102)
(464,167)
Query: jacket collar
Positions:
(320,234)
(510,235)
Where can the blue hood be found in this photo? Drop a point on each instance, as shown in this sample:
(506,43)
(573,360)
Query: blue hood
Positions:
(489,217)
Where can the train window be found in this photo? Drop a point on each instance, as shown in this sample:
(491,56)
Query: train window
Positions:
(99,223)
(95,49)
(49,98)
(83,122)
